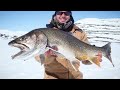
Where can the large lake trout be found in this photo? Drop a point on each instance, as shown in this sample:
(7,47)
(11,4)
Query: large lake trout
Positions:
(38,41)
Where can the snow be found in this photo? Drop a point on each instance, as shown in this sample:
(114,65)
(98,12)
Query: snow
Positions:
(18,69)
(99,33)
(12,33)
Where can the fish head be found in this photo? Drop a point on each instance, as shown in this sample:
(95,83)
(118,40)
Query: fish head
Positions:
(29,44)
(25,43)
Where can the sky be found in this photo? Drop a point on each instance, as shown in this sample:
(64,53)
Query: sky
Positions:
(28,20)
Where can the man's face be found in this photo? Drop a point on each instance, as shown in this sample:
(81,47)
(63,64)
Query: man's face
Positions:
(62,16)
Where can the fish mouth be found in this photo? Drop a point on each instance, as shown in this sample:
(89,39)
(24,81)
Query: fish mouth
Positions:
(23,48)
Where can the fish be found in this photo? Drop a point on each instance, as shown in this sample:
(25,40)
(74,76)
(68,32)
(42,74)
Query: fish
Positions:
(38,41)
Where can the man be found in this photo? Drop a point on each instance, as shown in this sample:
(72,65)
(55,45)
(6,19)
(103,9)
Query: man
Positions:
(56,68)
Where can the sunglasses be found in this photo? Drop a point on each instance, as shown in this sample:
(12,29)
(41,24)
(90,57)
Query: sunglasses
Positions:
(66,13)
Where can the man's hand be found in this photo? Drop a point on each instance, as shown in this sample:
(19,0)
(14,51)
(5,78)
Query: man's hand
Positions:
(50,52)
(99,56)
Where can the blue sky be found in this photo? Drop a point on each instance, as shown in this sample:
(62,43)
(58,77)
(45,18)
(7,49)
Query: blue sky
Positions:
(28,20)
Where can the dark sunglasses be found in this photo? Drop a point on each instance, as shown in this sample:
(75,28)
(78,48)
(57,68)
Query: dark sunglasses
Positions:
(60,13)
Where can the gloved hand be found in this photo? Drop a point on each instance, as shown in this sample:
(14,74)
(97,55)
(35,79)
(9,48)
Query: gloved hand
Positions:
(51,52)
(99,56)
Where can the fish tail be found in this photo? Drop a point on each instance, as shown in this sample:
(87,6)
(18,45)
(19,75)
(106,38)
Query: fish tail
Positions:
(107,49)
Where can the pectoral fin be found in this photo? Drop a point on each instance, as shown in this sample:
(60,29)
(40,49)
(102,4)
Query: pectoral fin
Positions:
(42,59)
(75,65)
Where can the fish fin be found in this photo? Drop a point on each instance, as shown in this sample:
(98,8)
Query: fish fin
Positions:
(42,59)
(37,58)
(107,49)
(109,57)
(95,60)
(72,64)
